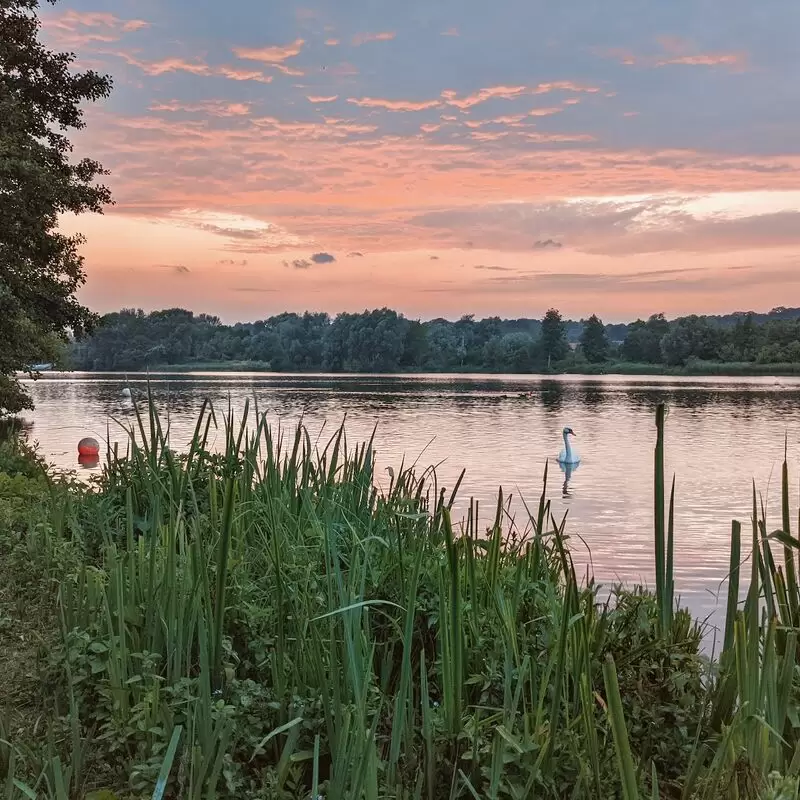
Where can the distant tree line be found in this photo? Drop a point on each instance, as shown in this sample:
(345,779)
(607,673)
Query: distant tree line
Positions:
(383,341)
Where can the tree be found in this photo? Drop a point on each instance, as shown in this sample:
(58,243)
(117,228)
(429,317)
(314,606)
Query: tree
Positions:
(40,268)
(691,337)
(643,341)
(594,341)
(553,341)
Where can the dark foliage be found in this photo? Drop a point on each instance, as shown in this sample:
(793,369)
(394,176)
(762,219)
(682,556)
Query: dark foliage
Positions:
(384,341)
(40,268)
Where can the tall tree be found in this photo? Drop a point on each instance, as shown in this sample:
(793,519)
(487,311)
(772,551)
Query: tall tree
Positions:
(40,268)
(553,341)
(594,341)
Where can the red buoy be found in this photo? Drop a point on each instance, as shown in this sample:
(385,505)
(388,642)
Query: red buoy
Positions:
(88,447)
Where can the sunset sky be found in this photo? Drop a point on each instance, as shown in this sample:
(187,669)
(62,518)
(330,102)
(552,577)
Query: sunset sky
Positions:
(442,157)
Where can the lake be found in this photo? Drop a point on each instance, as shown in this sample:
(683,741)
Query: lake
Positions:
(722,433)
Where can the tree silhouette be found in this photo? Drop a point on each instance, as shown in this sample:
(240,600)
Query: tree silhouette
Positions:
(40,268)
(553,341)
(594,341)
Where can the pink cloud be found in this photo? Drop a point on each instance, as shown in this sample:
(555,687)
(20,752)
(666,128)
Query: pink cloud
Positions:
(504,92)
(488,136)
(564,86)
(545,112)
(347,186)
(363,38)
(393,105)
(173,65)
(333,128)
(216,108)
(321,99)
(274,54)
(176,64)
(77,28)
(239,74)
(331,42)
(678,52)
(707,60)
(451,32)
(289,70)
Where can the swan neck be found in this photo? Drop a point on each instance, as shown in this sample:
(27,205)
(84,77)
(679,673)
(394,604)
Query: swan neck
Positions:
(567,448)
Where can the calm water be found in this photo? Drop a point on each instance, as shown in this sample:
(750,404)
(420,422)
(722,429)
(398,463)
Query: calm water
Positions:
(721,434)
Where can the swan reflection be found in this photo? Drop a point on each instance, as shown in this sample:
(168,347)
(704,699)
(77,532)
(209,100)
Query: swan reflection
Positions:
(568,468)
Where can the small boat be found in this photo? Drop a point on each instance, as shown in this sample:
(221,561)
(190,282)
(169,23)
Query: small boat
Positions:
(40,367)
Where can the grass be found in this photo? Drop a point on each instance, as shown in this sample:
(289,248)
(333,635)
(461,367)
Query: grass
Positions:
(265,623)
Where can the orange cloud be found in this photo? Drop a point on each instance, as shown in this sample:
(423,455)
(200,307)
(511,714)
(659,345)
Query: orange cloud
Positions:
(678,52)
(564,86)
(504,92)
(275,54)
(200,68)
(363,38)
(77,28)
(289,70)
(216,108)
(331,42)
(342,185)
(707,60)
(546,112)
(172,65)
(333,128)
(393,105)
(238,74)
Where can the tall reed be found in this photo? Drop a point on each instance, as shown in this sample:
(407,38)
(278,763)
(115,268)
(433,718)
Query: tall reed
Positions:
(265,621)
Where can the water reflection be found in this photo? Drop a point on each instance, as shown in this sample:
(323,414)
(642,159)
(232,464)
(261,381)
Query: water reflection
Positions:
(592,395)
(568,470)
(552,395)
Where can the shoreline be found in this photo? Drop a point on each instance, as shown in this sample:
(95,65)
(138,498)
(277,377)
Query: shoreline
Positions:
(695,370)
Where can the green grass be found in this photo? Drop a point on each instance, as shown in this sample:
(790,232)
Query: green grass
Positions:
(265,623)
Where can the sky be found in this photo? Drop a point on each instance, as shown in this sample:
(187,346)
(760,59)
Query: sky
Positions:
(441,157)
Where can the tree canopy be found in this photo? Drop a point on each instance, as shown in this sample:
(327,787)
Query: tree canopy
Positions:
(554,336)
(40,268)
(594,340)
(382,340)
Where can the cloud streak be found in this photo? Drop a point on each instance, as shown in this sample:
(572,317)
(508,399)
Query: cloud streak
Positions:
(271,54)
(80,29)
(364,38)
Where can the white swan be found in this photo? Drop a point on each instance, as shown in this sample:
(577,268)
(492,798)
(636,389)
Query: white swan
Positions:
(568,455)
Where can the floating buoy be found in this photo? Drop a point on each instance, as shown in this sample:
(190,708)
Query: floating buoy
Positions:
(88,447)
(126,392)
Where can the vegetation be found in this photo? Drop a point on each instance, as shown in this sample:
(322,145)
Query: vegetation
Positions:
(385,341)
(41,100)
(265,623)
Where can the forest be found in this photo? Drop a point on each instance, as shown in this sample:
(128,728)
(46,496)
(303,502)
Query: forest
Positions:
(382,340)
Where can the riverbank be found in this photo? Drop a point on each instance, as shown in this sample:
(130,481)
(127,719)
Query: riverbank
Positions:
(697,369)
(264,623)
